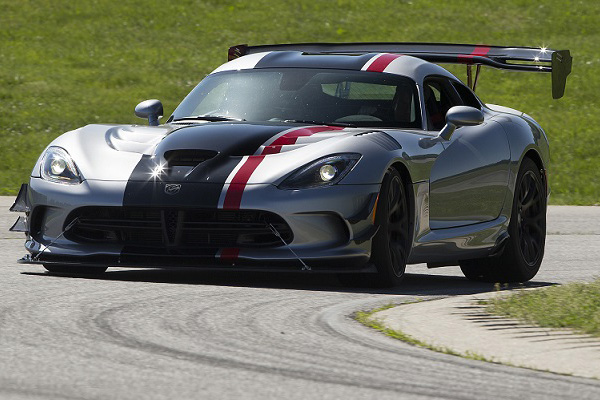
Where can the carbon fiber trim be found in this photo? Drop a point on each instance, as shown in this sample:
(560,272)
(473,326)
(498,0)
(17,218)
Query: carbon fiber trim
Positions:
(208,263)
(20,204)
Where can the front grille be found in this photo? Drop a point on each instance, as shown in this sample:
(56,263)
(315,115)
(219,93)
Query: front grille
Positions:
(181,228)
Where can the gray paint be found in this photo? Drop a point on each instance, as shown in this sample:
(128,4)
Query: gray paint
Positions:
(475,170)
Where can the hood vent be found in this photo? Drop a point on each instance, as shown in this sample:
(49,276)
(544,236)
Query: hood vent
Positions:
(135,139)
(187,158)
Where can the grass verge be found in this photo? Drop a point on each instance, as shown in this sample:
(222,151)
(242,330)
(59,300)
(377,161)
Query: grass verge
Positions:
(573,305)
(366,318)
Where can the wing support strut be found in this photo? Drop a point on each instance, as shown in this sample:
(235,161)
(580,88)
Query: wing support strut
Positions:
(472,83)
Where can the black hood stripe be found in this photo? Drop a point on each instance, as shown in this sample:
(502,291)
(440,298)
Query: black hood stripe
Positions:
(218,182)
(202,186)
(296,59)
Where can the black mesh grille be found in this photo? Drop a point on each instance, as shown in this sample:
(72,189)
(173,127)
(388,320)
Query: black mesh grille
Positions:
(177,227)
(187,158)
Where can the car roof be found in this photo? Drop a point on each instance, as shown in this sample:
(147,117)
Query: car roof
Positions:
(397,64)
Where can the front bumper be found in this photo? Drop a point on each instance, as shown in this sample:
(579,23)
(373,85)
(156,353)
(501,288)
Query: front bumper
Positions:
(332,229)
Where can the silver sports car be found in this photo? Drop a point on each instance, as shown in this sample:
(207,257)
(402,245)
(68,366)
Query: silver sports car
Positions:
(355,159)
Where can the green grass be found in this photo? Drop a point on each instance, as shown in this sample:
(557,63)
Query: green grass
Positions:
(573,305)
(366,318)
(64,64)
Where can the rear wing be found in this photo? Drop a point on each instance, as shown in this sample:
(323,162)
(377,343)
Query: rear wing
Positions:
(557,62)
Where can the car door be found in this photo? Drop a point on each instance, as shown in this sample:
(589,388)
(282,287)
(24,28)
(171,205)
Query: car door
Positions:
(469,179)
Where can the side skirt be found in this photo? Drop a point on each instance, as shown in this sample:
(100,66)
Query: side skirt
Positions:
(461,243)
(440,247)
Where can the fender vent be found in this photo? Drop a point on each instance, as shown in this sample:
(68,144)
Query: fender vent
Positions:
(382,139)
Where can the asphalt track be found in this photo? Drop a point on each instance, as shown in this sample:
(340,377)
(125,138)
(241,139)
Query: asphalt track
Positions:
(149,334)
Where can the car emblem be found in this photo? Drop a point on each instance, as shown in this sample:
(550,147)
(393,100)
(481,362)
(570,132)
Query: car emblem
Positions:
(172,188)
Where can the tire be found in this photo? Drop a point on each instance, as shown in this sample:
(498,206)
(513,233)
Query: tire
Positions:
(391,244)
(75,269)
(522,256)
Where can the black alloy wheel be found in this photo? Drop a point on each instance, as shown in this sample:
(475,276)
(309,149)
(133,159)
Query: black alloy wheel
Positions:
(531,221)
(397,224)
(522,256)
(391,244)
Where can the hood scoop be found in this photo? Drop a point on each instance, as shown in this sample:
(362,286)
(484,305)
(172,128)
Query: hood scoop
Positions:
(187,157)
(180,163)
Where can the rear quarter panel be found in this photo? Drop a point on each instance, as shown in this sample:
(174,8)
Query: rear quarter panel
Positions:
(526,137)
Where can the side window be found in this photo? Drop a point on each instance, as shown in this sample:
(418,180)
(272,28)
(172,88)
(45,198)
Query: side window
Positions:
(439,97)
(393,103)
(467,96)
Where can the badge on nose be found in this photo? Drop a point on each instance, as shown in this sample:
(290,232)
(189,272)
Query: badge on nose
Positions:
(172,188)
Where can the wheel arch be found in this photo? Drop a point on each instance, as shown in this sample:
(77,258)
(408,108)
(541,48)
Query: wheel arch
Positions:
(407,180)
(534,156)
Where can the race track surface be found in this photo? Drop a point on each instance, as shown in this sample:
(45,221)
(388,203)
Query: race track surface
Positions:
(153,334)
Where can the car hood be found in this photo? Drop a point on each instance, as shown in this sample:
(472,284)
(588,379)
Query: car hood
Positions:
(203,152)
(225,138)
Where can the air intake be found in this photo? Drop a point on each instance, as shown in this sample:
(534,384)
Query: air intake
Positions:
(181,228)
(187,158)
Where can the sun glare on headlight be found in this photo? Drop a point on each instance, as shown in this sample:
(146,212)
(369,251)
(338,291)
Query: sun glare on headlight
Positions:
(327,172)
(324,171)
(57,166)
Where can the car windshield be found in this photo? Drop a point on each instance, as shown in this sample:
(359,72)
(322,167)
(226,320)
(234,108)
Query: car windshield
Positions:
(359,98)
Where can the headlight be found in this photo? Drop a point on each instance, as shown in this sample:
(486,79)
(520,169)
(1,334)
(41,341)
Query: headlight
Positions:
(57,166)
(325,171)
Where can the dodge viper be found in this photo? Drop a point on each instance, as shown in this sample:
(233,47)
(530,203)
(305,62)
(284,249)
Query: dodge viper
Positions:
(354,158)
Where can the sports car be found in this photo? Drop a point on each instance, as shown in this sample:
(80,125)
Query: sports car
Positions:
(355,159)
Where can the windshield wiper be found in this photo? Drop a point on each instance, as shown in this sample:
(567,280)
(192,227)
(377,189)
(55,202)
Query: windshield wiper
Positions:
(210,118)
(308,121)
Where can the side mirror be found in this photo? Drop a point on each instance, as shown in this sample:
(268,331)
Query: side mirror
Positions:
(151,109)
(458,116)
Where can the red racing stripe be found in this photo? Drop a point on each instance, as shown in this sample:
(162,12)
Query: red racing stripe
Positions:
(233,197)
(382,62)
(229,253)
(271,150)
(235,191)
(292,136)
(480,51)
